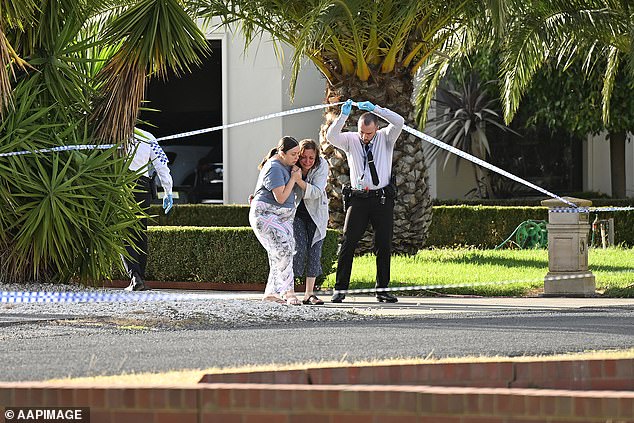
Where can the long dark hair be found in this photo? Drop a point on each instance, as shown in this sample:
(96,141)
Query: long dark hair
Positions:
(308,144)
(286,143)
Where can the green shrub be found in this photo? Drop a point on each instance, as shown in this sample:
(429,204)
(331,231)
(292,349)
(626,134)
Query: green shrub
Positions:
(474,225)
(479,226)
(201,215)
(215,254)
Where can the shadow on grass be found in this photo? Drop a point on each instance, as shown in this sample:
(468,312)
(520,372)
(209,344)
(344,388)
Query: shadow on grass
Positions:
(477,259)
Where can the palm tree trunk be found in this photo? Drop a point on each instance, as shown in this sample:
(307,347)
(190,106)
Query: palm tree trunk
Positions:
(412,211)
(617,163)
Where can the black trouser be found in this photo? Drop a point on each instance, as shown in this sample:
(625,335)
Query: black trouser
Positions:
(361,212)
(138,253)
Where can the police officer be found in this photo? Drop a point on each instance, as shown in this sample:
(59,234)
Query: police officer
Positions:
(369,153)
(146,150)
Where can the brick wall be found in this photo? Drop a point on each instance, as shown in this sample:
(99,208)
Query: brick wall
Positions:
(365,394)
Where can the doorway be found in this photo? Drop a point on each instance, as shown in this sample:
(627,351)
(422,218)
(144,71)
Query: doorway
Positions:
(185,103)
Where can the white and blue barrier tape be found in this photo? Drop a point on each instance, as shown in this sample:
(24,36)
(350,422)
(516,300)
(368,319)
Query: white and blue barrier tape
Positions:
(15,297)
(58,149)
(572,209)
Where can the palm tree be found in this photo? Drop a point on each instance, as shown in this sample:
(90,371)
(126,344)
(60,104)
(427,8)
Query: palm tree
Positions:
(563,31)
(79,79)
(366,50)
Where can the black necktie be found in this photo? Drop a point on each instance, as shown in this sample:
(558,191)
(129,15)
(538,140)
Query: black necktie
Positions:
(375,176)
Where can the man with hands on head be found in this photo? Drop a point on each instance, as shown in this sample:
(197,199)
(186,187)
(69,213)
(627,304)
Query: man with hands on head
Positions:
(145,150)
(370,198)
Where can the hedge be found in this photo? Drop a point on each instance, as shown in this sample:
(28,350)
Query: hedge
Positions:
(482,226)
(215,254)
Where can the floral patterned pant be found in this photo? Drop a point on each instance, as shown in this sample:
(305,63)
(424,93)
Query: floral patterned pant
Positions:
(273,226)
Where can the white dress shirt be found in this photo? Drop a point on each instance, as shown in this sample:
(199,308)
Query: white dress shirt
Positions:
(149,151)
(382,146)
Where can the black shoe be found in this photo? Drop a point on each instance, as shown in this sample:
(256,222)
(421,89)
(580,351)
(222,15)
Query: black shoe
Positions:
(337,298)
(136,284)
(386,297)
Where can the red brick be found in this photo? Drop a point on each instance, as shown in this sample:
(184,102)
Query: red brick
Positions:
(300,398)
(394,375)
(533,405)
(503,404)
(51,398)
(115,398)
(180,417)
(338,375)
(21,397)
(98,398)
(66,397)
(625,368)
(264,418)
(354,375)
(133,417)
(36,396)
(213,417)
(609,368)
(366,400)
(130,398)
(426,402)
(100,416)
(564,406)
(391,419)
(6,396)
(306,418)
(439,419)
(626,408)
(610,407)
(518,405)
(596,368)
(381,375)
(378,400)
(351,418)
(440,404)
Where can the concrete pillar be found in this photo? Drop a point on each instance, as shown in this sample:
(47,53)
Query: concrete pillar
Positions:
(568,273)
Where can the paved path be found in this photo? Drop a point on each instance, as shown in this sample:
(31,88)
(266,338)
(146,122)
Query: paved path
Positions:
(438,327)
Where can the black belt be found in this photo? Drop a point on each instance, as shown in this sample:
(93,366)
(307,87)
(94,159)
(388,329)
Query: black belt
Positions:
(367,193)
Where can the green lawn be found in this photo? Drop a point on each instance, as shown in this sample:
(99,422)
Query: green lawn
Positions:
(499,273)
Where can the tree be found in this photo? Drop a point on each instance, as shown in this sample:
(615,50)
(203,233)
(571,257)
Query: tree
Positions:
(366,50)
(72,74)
(560,32)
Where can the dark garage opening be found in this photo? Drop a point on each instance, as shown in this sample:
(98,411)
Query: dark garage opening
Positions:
(186,103)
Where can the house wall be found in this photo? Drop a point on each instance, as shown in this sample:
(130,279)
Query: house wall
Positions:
(448,184)
(596,164)
(256,84)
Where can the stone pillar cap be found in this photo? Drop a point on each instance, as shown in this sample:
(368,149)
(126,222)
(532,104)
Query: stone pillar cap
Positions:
(552,203)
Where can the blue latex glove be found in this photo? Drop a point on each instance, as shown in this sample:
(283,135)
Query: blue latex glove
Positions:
(168,202)
(346,108)
(366,105)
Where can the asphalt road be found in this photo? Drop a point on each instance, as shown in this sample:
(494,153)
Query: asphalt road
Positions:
(45,350)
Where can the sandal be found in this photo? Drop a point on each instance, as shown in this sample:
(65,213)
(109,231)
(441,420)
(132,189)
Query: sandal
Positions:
(293,301)
(273,299)
(313,300)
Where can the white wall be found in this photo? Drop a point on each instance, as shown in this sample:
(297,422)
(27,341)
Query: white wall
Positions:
(596,165)
(256,84)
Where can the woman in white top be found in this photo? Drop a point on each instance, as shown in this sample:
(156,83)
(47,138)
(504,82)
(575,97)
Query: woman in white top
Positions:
(311,217)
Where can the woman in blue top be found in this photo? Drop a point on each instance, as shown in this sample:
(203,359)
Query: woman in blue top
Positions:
(271,217)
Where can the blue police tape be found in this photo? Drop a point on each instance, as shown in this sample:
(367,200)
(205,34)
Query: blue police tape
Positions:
(123,296)
(84,297)
(60,148)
